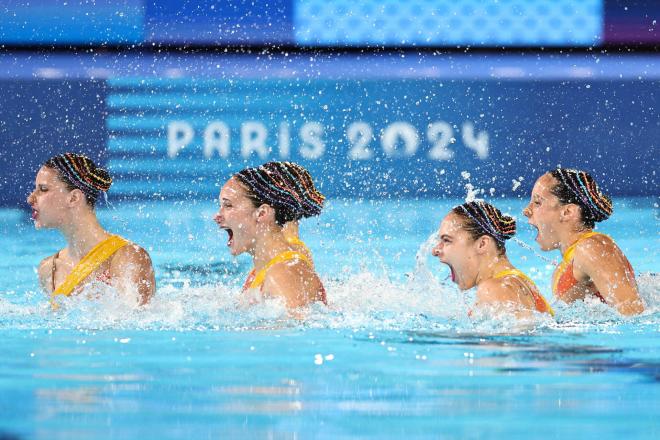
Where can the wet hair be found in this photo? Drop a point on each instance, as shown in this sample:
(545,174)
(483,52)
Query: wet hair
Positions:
(285,186)
(579,188)
(481,218)
(77,171)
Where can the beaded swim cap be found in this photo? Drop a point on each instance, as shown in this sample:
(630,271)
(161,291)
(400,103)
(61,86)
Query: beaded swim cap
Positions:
(578,187)
(485,219)
(79,172)
(286,186)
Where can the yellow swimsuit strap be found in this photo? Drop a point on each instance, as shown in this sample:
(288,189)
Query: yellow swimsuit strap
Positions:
(519,274)
(515,273)
(89,263)
(298,242)
(568,255)
(567,258)
(260,276)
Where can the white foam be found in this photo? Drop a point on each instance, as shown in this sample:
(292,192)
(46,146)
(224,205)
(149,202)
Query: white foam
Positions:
(362,300)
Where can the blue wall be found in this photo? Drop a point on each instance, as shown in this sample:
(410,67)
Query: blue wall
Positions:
(80,22)
(219,21)
(382,138)
(177,138)
(40,118)
(490,23)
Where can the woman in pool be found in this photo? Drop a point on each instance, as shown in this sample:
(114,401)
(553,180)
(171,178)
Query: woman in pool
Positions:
(66,189)
(471,242)
(255,205)
(564,208)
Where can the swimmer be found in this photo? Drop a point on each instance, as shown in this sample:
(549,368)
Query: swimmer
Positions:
(66,189)
(564,208)
(255,205)
(472,243)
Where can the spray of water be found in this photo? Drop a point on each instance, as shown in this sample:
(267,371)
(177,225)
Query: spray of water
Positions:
(524,245)
(361,298)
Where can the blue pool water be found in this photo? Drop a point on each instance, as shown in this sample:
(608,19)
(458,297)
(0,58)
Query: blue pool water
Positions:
(393,355)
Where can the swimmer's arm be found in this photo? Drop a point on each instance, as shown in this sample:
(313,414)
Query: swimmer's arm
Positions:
(294,282)
(601,261)
(45,274)
(132,266)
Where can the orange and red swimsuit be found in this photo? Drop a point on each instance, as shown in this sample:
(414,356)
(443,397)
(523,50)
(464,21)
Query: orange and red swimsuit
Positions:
(540,303)
(563,279)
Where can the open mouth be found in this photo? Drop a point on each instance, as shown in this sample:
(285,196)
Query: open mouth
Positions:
(230,234)
(452,275)
(537,231)
(35,214)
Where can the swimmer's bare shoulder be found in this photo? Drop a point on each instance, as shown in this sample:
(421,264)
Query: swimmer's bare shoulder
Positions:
(495,291)
(133,267)
(45,273)
(295,281)
(599,260)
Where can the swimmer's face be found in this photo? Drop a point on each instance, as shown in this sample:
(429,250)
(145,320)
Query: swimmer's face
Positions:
(543,213)
(237,216)
(458,250)
(49,199)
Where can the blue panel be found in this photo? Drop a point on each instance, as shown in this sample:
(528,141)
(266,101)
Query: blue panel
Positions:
(165,70)
(219,21)
(381,138)
(72,22)
(449,22)
(342,22)
(41,118)
(537,112)
(632,22)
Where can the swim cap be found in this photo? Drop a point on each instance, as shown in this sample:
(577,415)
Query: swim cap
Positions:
(485,219)
(79,172)
(286,186)
(578,187)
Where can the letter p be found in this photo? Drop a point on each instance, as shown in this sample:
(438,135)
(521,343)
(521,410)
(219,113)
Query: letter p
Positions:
(179,135)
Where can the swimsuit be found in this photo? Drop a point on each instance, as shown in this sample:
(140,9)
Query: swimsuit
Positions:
(256,279)
(88,264)
(291,240)
(563,279)
(298,242)
(540,303)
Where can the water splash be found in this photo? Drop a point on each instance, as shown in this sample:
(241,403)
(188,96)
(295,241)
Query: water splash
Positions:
(524,245)
(420,301)
(471,191)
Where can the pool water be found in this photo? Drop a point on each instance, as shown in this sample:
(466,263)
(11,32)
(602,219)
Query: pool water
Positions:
(393,355)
